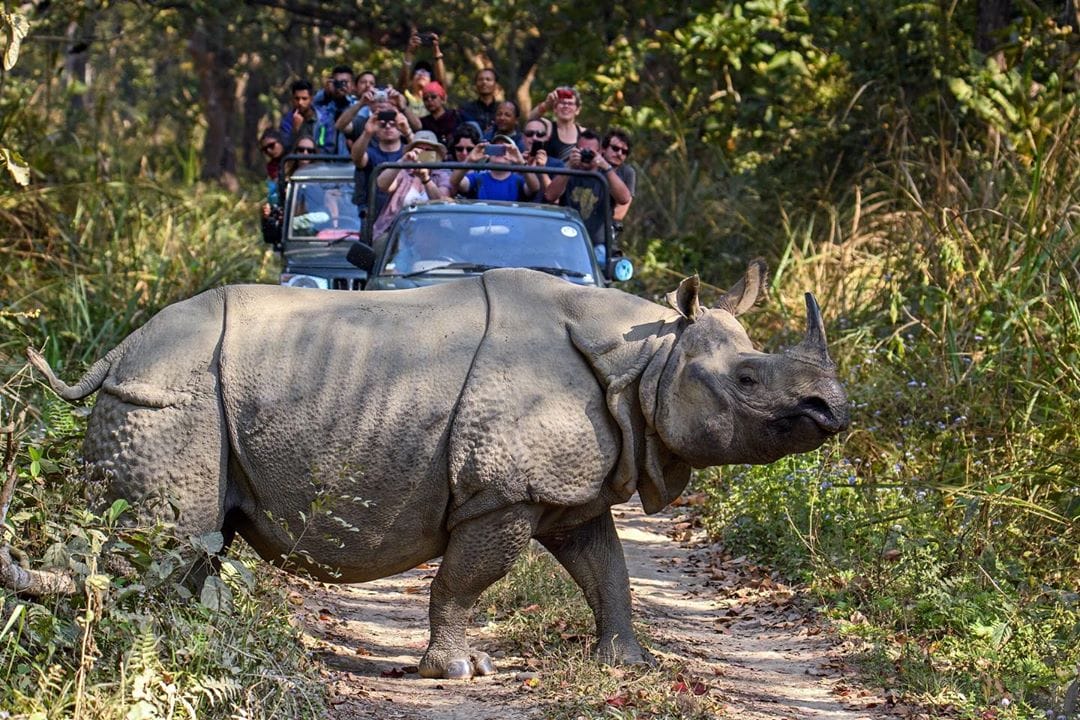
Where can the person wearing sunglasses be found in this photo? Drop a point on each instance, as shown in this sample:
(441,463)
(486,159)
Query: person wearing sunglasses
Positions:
(496,183)
(536,134)
(616,150)
(440,119)
(464,139)
(380,142)
(272,146)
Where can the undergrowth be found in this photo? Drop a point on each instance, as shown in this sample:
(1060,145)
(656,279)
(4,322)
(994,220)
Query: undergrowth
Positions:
(134,642)
(946,521)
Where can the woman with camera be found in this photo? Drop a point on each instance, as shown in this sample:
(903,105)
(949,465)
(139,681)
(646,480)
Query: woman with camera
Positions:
(565,102)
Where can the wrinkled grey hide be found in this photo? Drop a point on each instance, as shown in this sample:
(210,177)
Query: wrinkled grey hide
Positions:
(458,420)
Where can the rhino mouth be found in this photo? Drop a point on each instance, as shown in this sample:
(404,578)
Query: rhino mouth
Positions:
(816,411)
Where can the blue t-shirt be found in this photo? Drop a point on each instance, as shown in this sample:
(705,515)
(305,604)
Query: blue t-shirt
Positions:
(361,178)
(484,187)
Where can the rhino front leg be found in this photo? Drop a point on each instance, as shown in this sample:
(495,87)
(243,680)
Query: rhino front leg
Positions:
(480,552)
(593,556)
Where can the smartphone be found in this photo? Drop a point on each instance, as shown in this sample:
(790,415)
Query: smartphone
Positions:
(387,115)
(427,156)
(565,94)
(426,38)
(535,148)
(494,150)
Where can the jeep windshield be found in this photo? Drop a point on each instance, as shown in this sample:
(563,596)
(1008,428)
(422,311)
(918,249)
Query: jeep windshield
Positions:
(322,212)
(470,242)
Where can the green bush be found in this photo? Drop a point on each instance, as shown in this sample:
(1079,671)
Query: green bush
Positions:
(133,642)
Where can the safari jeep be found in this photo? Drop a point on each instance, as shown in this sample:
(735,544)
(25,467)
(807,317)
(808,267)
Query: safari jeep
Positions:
(318,225)
(324,244)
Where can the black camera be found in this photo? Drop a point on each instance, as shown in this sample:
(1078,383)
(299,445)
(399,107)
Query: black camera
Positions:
(587,156)
(426,38)
(340,84)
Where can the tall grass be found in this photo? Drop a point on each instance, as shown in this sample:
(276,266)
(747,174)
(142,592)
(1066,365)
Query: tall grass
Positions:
(83,265)
(89,263)
(949,515)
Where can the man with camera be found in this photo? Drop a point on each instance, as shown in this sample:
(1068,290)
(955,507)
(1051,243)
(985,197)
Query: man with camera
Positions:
(381,141)
(329,105)
(496,184)
(583,193)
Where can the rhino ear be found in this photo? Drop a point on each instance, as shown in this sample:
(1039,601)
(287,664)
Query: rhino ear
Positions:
(745,293)
(685,298)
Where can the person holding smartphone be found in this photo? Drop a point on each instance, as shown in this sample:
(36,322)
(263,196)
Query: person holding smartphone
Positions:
(565,103)
(416,74)
(495,184)
(381,141)
(413,186)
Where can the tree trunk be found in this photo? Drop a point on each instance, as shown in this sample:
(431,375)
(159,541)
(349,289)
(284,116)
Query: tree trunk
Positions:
(217,98)
(993,16)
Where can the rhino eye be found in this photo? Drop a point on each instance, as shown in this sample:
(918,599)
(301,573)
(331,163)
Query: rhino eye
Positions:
(747,380)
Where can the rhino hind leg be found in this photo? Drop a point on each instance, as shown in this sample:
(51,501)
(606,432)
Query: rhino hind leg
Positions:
(169,462)
(593,556)
(480,552)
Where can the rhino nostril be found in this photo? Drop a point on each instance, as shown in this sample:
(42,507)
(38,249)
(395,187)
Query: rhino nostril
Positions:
(823,413)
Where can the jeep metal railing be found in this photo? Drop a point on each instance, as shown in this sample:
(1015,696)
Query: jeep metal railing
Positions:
(368,220)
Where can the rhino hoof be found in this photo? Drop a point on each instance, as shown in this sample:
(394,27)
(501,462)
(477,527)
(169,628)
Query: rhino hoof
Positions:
(459,670)
(483,665)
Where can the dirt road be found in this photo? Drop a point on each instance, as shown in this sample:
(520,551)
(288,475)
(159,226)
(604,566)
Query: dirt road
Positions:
(720,617)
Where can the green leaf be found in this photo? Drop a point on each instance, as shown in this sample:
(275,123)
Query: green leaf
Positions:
(18,168)
(211,543)
(17,28)
(116,510)
(215,594)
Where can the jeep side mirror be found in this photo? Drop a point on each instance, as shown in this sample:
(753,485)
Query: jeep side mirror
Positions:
(362,256)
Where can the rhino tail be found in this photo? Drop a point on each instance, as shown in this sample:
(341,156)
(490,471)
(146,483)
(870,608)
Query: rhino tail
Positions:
(88,384)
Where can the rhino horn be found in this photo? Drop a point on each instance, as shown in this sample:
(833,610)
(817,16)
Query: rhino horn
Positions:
(813,348)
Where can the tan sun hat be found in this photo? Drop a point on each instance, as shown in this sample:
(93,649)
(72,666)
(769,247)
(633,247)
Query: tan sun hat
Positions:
(428,139)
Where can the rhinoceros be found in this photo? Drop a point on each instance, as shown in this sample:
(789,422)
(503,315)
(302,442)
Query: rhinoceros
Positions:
(356,435)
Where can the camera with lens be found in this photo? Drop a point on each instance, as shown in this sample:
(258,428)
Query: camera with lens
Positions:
(340,84)
(380,95)
(587,157)
(426,38)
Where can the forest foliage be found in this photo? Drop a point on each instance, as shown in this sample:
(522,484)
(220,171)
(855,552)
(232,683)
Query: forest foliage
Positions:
(914,164)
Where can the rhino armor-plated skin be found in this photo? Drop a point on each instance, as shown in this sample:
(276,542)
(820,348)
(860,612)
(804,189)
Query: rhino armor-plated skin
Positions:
(356,435)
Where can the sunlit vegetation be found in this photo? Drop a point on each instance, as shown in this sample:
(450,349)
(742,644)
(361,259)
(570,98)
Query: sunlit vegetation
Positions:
(918,178)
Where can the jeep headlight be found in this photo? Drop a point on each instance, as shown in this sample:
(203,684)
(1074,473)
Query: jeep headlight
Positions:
(305,281)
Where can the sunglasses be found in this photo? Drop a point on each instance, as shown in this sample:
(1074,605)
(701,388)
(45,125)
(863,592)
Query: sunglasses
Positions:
(305,151)
(270,146)
(463,148)
(619,149)
(534,133)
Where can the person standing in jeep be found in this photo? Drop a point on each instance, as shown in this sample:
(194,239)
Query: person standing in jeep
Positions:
(386,126)
(329,105)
